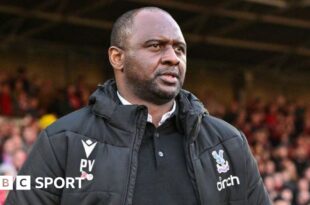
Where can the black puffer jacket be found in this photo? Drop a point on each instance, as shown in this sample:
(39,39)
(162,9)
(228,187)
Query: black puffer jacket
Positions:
(100,143)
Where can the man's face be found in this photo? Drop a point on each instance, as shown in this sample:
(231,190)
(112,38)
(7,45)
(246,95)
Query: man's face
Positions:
(155,57)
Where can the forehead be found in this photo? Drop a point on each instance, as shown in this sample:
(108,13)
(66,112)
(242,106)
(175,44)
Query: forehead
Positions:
(155,25)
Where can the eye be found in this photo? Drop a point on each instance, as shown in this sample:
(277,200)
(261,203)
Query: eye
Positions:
(155,46)
(179,49)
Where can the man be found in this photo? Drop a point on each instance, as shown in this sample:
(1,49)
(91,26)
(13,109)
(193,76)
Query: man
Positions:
(142,140)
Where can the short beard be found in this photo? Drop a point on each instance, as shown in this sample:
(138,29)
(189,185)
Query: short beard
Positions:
(148,90)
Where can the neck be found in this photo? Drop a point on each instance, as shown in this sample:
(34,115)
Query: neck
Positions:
(155,110)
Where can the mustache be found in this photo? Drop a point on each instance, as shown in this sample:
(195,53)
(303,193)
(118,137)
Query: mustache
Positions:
(168,71)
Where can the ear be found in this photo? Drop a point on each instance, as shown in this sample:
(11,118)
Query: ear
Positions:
(116,57)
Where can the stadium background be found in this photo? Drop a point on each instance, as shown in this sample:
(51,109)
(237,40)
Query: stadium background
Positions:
(248,61)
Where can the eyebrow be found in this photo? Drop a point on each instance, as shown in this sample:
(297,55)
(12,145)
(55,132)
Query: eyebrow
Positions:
(165,41)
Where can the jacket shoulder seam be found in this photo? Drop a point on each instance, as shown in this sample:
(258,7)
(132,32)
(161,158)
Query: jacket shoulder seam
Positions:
(220,142)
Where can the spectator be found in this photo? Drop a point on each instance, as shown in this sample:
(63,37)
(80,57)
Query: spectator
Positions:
(18,158)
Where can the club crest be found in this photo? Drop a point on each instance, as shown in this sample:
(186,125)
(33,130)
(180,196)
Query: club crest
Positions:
(221,164)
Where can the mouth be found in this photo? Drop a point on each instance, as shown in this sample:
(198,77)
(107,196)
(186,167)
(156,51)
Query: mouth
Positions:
(169,77)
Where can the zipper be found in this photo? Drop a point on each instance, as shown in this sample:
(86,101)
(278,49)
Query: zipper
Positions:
(193,154)
(133,172)
(193,157)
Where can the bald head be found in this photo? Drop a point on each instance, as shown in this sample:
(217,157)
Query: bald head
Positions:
(122,27)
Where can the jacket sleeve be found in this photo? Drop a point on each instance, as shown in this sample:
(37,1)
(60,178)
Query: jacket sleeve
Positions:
(256,192)
(41,162)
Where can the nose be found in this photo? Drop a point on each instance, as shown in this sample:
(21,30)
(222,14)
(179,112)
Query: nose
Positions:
(169,57)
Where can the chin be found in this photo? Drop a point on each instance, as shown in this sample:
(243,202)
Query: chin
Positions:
(168,94)
(163,93)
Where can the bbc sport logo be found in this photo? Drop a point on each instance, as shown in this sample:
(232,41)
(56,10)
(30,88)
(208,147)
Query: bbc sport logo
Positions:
(23,182)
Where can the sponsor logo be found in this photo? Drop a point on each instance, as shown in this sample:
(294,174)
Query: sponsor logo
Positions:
(86,165)
(221,164)
(230,181)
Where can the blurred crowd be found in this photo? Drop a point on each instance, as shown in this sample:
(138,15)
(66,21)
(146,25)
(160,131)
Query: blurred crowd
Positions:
(20,96)
(278,131)
(279,135)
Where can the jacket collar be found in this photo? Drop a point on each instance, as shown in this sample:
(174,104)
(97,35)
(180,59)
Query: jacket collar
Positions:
(105,103)
(190,113)
(105,97)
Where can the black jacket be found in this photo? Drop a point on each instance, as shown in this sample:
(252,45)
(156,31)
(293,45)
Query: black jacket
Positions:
(101,142)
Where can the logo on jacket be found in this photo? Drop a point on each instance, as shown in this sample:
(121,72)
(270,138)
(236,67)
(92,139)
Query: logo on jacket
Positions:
(230,181)
(86,165)
(88,146)
(222,164)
